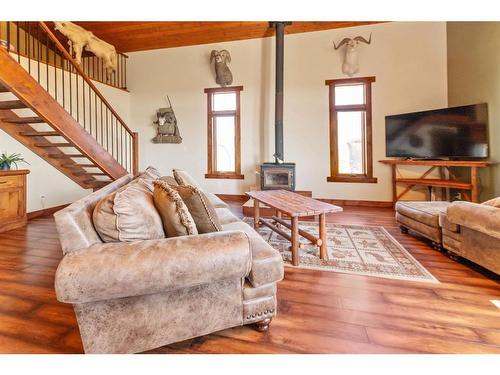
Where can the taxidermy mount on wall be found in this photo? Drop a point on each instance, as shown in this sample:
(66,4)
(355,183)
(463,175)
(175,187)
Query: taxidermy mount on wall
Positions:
(166,126)
(350,66)
(223,75)
(80,39)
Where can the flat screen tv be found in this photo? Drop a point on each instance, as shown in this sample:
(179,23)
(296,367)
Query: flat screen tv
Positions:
(448,133)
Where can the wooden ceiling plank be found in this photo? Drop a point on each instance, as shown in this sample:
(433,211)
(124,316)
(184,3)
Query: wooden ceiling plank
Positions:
(139,36)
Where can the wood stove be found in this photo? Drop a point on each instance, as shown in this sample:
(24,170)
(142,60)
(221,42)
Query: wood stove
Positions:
(278,175)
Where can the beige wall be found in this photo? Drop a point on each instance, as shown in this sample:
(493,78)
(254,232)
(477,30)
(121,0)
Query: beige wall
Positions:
(474,77)
(407,58)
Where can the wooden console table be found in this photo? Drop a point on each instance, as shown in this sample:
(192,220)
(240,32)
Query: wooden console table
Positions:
(471,188)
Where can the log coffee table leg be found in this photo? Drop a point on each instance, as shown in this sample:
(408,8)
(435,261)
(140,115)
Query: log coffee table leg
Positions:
(256,213)
(295,241)
(322,235)
(279,216)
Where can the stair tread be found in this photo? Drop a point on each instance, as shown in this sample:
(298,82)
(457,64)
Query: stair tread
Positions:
(54,145)
(23,120)
(12,104)
(3,88)
(40,134)
(80,165)
(89,174)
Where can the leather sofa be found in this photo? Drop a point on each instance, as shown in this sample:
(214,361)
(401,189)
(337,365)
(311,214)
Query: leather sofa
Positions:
(135,296)
(472,231)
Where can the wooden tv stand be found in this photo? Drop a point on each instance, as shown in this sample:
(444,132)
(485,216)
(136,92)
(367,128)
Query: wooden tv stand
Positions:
(447,179)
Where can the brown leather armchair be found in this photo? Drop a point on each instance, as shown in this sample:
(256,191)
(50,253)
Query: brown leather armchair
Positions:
(472,231)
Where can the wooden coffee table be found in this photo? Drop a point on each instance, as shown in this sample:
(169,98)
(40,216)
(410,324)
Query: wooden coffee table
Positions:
(295,206)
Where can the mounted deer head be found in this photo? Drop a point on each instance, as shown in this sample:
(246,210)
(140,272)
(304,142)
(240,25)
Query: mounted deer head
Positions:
(350,66)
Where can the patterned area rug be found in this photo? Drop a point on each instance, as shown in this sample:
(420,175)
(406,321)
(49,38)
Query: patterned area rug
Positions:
(354,249)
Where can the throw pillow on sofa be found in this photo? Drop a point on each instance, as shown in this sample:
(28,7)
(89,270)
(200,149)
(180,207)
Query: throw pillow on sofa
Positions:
(129,214)
(148,176)
(495,202)
(200,208)
(177,221)
(184,178)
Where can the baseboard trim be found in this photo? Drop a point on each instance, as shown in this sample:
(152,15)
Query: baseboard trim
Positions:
(233,197)
(357,203)
(45,211)
(338,202)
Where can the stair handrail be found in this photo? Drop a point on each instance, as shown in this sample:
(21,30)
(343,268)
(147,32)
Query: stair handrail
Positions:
(84,76)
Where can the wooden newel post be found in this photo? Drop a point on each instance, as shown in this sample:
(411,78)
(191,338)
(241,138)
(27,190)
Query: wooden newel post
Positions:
(135,153)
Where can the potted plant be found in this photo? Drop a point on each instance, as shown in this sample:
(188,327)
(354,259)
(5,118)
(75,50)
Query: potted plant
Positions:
(6,161)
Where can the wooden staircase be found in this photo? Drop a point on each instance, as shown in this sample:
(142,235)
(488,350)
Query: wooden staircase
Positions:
(91,155)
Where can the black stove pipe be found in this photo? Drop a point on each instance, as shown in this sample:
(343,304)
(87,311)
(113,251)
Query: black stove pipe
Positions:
(278,114)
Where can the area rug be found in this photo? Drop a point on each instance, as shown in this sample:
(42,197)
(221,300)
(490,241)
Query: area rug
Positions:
(354,249)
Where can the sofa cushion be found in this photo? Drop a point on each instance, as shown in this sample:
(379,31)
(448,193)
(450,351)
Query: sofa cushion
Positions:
(177,221)
(226,216)
(447,224)
(200,208)
(184,178)
(128,214)
(421,211)
(431,232)
(267,264)
(169,180)
(216,201)
(495,202)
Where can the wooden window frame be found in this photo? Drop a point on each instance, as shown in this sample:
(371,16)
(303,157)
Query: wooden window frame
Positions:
(335,176)
(211,151)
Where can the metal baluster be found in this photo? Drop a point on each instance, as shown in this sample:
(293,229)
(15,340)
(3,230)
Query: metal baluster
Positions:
(77,99)
(62,75)
(90,109)
(18,49)
(55,70)
(125,72)
(28,44)
(8,36)
(38,50)
(107,129)
(95,109)
(102,128)
(47,60)
(121,144)
(112,137)
(83,97)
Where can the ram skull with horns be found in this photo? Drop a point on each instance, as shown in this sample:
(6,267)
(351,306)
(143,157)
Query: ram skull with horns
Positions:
(223,75)
(350,66)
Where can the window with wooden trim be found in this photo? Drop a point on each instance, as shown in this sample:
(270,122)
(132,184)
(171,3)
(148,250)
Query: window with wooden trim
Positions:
(224,133)
(351,157)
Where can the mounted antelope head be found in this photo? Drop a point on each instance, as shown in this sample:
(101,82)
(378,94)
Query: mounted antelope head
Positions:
(350,66)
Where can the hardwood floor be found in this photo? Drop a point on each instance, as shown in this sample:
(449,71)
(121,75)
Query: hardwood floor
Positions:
(319,312)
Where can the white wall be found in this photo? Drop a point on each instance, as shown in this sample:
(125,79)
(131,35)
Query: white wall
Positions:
(407,58)
(474,77)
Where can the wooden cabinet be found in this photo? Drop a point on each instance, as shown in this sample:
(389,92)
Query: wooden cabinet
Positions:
(12,199)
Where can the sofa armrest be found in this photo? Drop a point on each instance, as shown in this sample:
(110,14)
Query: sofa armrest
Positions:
(126,269)
(482,218)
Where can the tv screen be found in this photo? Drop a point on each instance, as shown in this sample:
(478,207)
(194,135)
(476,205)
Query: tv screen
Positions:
(458,132)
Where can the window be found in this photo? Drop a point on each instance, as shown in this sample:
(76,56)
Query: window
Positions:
(351,130)
(224,154)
